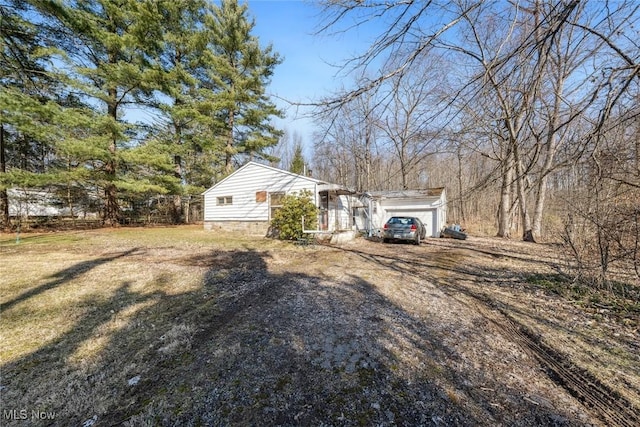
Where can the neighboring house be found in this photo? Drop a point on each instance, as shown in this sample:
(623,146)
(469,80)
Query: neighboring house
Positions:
(247,199)
(377,207)
(25,203)
(44,203)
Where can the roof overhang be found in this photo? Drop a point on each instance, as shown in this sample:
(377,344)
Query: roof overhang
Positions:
(430,193)
(334,189)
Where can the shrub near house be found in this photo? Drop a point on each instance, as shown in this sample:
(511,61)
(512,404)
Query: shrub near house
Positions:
(286,223)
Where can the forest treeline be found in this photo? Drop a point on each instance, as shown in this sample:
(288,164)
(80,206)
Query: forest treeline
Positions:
(526,111)
(109,104)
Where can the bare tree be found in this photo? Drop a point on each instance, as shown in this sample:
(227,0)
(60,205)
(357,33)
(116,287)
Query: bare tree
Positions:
(407,122)
(351,130)
(540,79)
(285,149)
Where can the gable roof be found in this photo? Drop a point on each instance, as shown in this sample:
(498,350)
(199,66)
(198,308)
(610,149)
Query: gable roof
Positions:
(271,168)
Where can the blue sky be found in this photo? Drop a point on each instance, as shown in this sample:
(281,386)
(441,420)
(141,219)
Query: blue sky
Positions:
(306,73)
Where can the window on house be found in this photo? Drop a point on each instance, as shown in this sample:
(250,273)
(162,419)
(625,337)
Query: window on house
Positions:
(225,200)
(275,202)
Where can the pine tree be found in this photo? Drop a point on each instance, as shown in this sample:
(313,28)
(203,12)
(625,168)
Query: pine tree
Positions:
(28,108)
(182,125)
(81,65)
(242,70)
(297,163)
(108,45)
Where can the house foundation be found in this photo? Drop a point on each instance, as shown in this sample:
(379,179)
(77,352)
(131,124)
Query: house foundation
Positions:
(245,227)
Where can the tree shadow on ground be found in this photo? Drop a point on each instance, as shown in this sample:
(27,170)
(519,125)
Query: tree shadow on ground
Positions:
(252,347)
(65,276)
(465,284)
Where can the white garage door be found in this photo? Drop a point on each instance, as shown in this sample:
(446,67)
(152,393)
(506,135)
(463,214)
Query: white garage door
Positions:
(428,217)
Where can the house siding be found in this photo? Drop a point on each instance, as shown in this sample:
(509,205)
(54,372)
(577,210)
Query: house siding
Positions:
(242,186)
(339,215)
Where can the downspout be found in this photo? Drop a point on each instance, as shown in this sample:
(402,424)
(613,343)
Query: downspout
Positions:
(445,213)
(353,224)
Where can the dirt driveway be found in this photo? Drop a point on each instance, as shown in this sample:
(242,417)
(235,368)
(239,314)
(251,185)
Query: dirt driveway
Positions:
(446,333)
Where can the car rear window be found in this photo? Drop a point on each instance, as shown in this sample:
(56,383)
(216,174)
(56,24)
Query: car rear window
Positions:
(399,220)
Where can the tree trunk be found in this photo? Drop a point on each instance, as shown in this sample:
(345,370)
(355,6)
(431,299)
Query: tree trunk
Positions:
(538,210)
(403,168)
(367,157)
(177,213)
(460,188)
(527,232)
(550,147)
(5,221)
(178,172)
(187,210)
(111,208)
(504,212)
(228,165)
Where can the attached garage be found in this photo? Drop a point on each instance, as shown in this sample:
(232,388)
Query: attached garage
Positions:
(429,205)
(428,218)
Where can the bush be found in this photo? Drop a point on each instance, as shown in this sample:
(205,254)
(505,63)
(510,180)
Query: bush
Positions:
(286,223)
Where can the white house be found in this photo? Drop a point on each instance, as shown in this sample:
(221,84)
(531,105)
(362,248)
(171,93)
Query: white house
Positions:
(428,205)
(31,202)
(247,199)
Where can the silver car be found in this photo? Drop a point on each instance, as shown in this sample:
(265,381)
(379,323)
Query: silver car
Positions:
(405,228)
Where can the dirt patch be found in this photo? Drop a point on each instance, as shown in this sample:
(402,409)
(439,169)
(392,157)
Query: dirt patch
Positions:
(446,333)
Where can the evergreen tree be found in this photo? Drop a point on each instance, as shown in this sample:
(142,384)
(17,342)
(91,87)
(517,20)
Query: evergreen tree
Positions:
(28,108)
(241,72)
(297,163)
(182,124)
(287,221)
(72,70)
(108,47)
